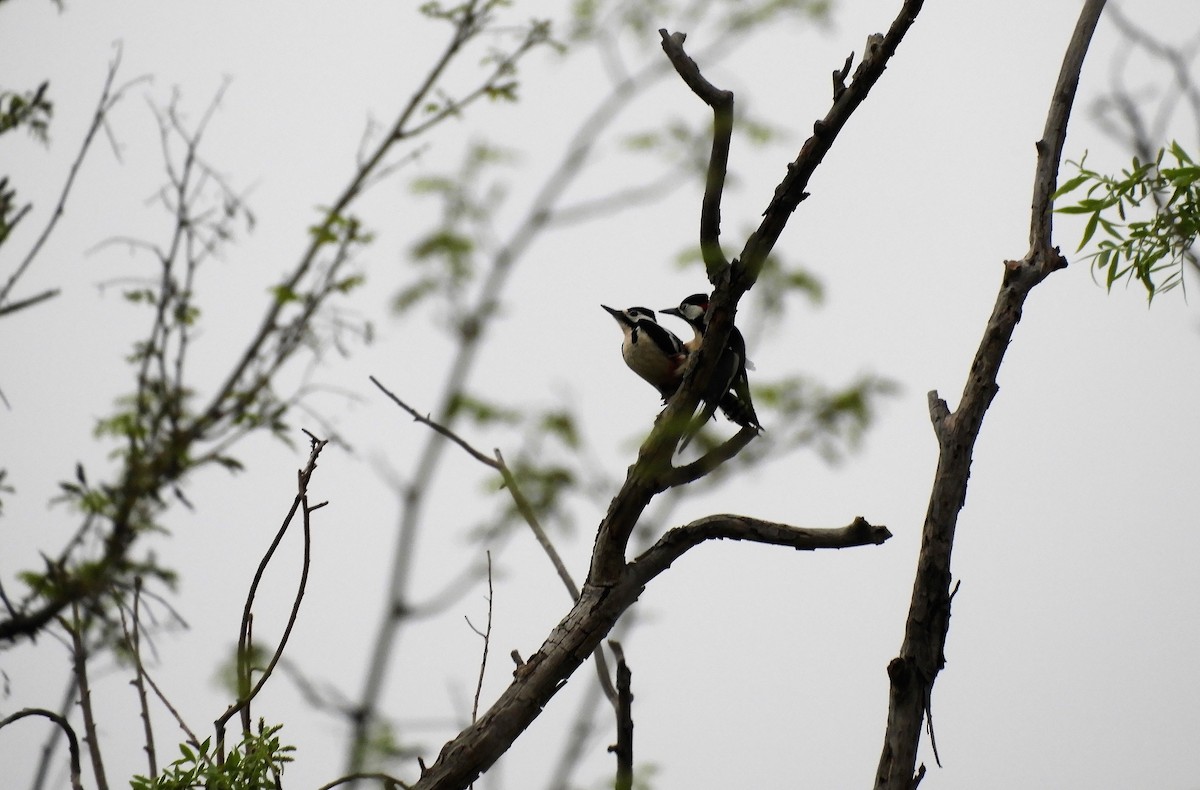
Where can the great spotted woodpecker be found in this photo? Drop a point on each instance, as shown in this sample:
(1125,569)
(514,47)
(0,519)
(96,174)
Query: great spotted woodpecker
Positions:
(730,388)
(650,350)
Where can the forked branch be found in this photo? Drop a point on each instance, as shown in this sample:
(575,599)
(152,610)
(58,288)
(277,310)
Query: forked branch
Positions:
(913,672)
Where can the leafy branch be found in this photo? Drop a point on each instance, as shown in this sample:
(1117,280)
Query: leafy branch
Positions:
(1150,249)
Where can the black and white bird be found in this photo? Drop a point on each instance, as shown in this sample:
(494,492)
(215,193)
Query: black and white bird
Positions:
(650,350)
(730,388)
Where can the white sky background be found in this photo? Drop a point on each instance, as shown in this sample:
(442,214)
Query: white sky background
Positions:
(1076,632)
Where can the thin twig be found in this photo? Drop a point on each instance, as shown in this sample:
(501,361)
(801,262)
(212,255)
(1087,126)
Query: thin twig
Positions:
(47,751)
(523,507)
(65,727)
(388,782)
(79,655)
(133,640)
(486,635)
(624,746)
(303,476)
(108,98)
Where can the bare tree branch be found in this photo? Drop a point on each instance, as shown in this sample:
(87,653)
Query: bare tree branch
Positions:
(721,102)
(676,542)
(246,693)
(913,672)
(65,726)
(624,745)
(682,475)
(109,96)
(526,511)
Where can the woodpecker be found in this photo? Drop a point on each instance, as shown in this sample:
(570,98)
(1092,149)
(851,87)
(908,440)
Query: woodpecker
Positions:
(730,387)
(651,351)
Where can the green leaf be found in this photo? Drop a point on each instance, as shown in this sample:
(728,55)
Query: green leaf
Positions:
(1070,186)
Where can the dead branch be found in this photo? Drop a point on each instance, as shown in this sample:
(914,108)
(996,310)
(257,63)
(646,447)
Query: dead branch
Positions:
(624,745)
(721,102)
(246,693)
(922,656)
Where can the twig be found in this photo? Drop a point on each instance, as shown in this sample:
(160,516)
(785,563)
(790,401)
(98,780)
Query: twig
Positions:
(707,463)
(65,727)
(108,98)
(21,304)
(721,102)
(47,750)
(191,736)
(437,427)
(389,782)
(624,746)
(242,705)
(791,189)
(486,635)
(523,507)
(133,639)
(79,655)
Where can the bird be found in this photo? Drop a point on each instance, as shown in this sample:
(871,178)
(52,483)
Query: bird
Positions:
(730,388)
(650,350)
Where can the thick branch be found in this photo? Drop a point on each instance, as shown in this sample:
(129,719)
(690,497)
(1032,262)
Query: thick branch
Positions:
(537,680)
(676,542)
(922,656)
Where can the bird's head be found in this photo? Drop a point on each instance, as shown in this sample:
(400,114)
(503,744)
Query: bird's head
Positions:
(693,310)
(630,316)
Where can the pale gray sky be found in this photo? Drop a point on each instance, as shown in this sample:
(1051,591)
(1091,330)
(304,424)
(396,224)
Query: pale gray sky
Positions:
(1076,632)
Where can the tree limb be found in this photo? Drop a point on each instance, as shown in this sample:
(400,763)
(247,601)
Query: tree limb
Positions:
(721,102)
(922,655)
(676,542)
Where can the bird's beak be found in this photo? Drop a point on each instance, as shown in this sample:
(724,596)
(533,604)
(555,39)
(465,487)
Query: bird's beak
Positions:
(617,314)
(671,311)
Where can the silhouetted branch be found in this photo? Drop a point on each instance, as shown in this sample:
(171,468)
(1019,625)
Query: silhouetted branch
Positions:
(721,102)
(245,693)
(708,462)
(679,540)
(791,189)
(922,655)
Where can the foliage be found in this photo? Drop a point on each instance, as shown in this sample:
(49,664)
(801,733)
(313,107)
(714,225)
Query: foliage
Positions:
(1149,218)
(31,110)
(256,763)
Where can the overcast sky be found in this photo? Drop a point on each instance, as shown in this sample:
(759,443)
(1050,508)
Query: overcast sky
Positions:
(1076,632)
